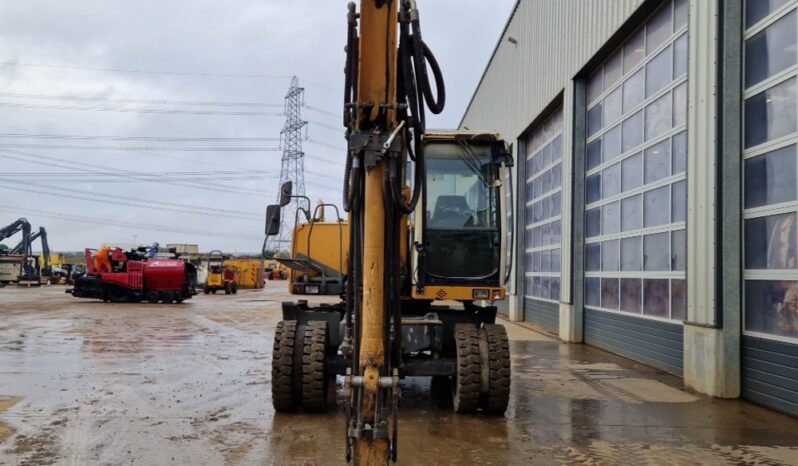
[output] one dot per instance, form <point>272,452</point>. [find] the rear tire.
<point>314,380</point>
<point>467,381</point>
<point>152,297</point>
<point>282,366</point>
<point>235,288</point>
<point>498,371</point>
<point>206,290</point>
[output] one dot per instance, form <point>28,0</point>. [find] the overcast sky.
<point>88,50</point>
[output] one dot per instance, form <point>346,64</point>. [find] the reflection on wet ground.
<point>82,382</point>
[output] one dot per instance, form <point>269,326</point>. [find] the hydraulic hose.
<point>415,90</point>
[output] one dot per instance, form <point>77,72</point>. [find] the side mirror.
<point>272,220</point>
<point>285,193</point>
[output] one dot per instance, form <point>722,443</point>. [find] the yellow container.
<point>250,272</point>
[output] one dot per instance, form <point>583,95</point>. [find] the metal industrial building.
<point>655,146</point>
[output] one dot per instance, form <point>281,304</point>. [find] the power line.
<point>135,176</point>
<point>318,110</point>
<point>136,138</point>
<point>137,203</point>
<point>127,70</point>
<point>323,86</point>
<point>153,154</point>
<point>206,103</point>
<point>69,164</point>
<point>324,144</point>
<point>105,222</point>
<point>137,110</point>
<point>324,125</point>
<point>142,148</point>
<point>153,174</point>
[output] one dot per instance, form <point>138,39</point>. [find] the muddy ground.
<point>82,382</point>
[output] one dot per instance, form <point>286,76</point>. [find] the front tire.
<point>497,370</point>
<point>283,366</point>
<point>467,380</point>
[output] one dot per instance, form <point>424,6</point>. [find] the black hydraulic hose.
<point>348,193</point>
<point>350,70</point>
<point>421,56</point>
<point>414,55</point>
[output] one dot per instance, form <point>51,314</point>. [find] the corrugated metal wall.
<point>547,315</point>
<point>523,78</point>
<point>658,344</point>
<point>770,373</point>
<point>554,40</point>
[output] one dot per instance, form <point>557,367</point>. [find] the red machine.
<point>133,277</point>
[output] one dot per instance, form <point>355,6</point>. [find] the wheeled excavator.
<point>413,247</point>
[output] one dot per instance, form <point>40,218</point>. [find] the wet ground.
<point>82,382</point>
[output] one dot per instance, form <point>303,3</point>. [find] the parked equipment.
<point>133,277</point>
<point>220,277</point>
<point>455,247</point>
<point>41,270</point>
<point>14,267</point>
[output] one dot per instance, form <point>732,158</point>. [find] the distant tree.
<point>3,247</point>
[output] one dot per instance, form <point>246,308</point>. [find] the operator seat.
<point>450,212</point>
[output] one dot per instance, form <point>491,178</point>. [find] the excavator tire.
<point>283,366</point>
<point>467,381</point>
<point>314,380</point>
<point>494,401</point>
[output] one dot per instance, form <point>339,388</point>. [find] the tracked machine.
<point>123,277</point>
<point>412,250</point>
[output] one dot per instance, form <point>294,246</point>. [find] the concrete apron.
<point>82,382</point>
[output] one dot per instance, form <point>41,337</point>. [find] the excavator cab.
<point>459,239</point>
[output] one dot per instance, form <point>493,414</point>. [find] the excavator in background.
<point>319,251</point>
<point>410,249</point>
<point>42,270</point>
<point>14,267</point>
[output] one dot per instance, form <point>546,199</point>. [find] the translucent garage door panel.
<point>636,169</point>
<point>544,209</point>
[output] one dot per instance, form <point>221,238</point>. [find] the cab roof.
<point>453,135</point>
